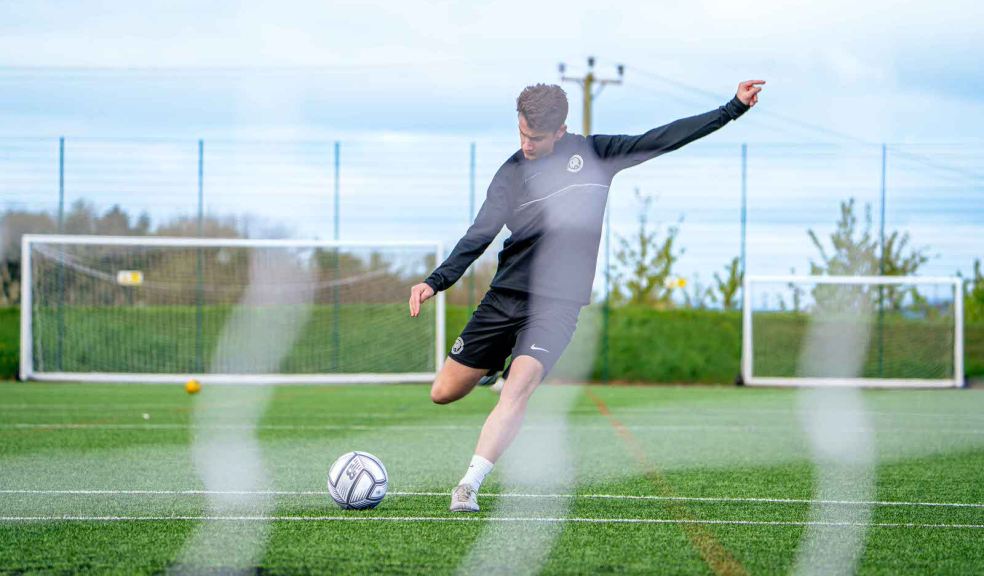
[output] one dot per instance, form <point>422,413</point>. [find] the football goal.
<point>871,331</point>
<point>154,309</point>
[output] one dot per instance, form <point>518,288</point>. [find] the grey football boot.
<point>493,380</point>
<point>489,379</point>
<point>464,498</point>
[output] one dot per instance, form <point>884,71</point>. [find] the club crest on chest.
<point>575,163</point>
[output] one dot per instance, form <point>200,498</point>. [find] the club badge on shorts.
<point>575,163</point>
<point>459,345</point>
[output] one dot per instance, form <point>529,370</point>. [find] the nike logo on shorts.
<point>534,347</point>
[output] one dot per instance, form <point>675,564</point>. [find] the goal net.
<point>852,331</point>
<point>151,309</point>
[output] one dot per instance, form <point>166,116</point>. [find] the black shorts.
<point>508,322</point>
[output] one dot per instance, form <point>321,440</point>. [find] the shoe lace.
<point>463,492</point>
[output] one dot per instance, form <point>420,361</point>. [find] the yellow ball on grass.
<point>192,386</point>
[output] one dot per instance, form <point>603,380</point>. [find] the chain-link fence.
<point>756,203</point>
<point>720,196</point>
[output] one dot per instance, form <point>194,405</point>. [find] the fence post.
<point>471,218</point>
<point>199,265</point>
<point>337,189</point>
<point>881,266</point>
<point>744,203</point>
<point>740,380</point>
<point>61,185</point>
<point>606,307</point>
<point>59,348</point>
<point>336,337</point>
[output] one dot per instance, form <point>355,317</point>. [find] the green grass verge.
<point>645,345</point>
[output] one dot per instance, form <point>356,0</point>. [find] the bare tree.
<point>855,251</point>
<point>645,262</point>
<point>726,288</point>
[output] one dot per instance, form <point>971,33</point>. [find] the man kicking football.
<point>551,194</point>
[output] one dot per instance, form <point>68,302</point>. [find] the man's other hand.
<point>748,92</point>
<point>419,294</point>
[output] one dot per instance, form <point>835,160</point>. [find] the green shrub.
<point>9,342</point>
<point>645,345</point>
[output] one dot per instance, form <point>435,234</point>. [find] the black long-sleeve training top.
<point>554,207</point>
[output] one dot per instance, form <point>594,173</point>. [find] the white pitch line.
<point>471,426</point>
<point>717,499</point>
<point>791,412</point>
<point>76,407</point>
<point>517,519</point>
<point>576,412</point>
<point>177,492</point>
<point>147,426</point>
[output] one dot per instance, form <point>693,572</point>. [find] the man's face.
<point>536,144</point>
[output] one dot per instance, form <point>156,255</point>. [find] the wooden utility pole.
<point>587,84</point>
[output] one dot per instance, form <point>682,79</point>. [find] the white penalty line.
<point>575,412</point>
<point>711,499</point>
<point>579,412</point>
<point>514,519</point>
<point>389,427</point>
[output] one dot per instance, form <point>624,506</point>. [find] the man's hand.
<point>419,294</point>
<point>748,92</point>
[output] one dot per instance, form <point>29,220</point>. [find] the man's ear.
<point>561,131</point>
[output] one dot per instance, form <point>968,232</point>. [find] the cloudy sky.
<point>878,70</point>
<point>406,85</point>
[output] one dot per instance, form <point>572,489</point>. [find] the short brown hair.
<point>544,106</point>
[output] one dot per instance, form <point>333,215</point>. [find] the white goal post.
<point>894,331</point>
<point>240,311</point>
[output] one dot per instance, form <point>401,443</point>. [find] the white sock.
<point>477,471</point>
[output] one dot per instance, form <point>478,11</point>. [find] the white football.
<point>357,480</point>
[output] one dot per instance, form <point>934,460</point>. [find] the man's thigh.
<point>547,332</point>
<point>454,381</point>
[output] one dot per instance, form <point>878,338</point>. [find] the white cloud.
<point>880,69</point>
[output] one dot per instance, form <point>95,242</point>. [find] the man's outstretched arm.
<point>631,150</point>
<point>491,218</point>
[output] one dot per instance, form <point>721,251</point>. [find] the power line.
<point>921,159</point>
<point>717,97</point>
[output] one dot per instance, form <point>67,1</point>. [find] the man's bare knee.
<point>440,395</point>
<point>454,382</point>
<point>446,389</point>
<point>518,396</point>
<point>524,377</point>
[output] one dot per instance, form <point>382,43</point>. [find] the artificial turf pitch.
<point>696,480</point>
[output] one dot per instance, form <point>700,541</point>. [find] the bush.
<point>9,342</point>
<point>646,345</point>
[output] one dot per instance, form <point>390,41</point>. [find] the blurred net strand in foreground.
<point>916,329</point>
<point>151,309</point>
